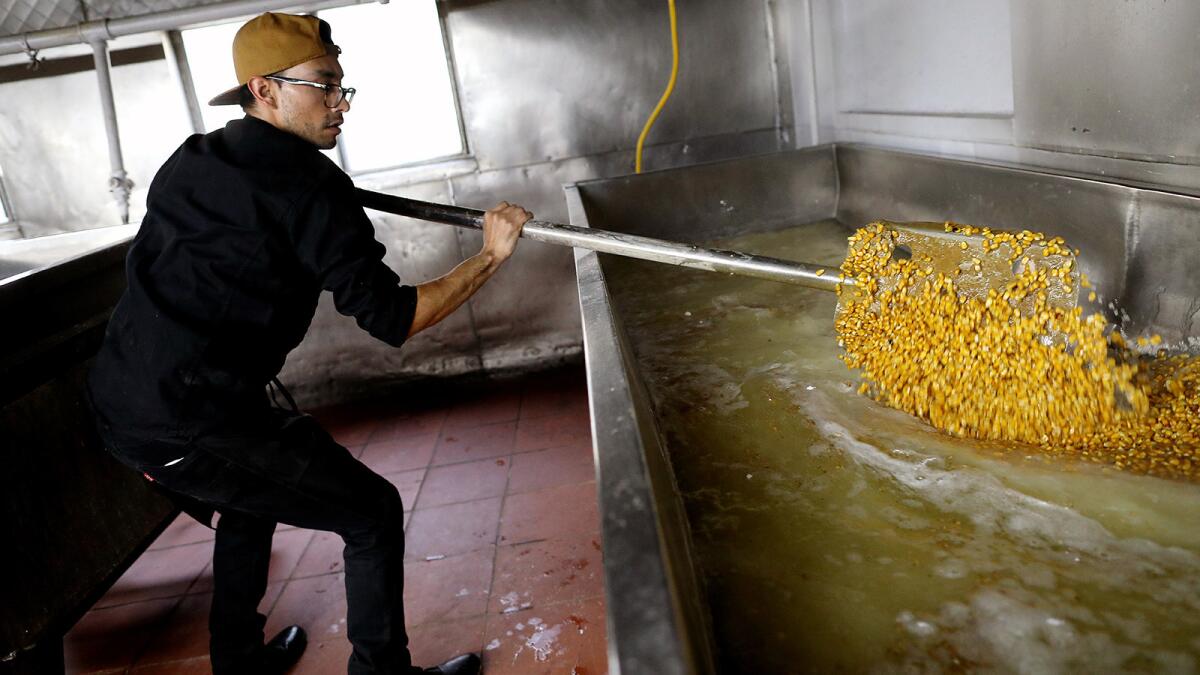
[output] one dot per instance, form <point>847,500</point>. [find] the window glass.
<point>210,58</point>
<point>404,110</point>
<point>395,57</point>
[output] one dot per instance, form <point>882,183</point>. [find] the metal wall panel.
<point>1162,292</point>
<point>878,184</point>
<point>548,80</point>
<point>718,200</point>
<point>930,56</point>
<point>1111,78</point>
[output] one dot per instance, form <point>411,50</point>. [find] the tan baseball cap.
<point>273,42</point>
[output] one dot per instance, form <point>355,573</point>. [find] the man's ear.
<point>262,90</point>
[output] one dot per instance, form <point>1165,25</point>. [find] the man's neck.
<point>273,121</point>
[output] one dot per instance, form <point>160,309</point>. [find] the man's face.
<point>302,108</point>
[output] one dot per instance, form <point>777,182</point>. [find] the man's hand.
<point>501,227</point>
<point>436,299</point>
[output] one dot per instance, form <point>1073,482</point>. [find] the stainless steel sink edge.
<point>655,618</point>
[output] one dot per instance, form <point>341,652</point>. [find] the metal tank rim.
<point>657,621</point>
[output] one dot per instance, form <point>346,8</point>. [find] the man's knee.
<point>385,522</point>
<point>392,511</point>
<point>245,524</point>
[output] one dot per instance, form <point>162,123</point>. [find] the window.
<point>5,211</point>
<point>395,56</point>
<point>209,54</point>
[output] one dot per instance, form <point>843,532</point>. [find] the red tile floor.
<point>503,545</point>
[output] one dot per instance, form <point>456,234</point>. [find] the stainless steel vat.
<point>1135,242</point>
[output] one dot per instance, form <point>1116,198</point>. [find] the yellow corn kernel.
<point>981,368</point>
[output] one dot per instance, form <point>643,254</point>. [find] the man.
<point>244,228</point>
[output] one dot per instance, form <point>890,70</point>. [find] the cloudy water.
<point>836,535</point>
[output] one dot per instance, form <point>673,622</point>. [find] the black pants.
<point>289,470</point>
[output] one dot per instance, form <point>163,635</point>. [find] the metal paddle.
<point>979,270</point>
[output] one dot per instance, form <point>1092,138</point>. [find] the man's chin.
<point>322,141</point>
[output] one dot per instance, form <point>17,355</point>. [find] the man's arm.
<point>436,299</point>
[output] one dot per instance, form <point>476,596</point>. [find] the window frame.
<point>407,172</point>
<point>8,219</point>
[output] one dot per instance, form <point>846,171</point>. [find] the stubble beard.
<point>313,132</point>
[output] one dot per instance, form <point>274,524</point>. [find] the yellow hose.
<point>666,94</point>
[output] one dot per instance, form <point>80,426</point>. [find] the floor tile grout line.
<point>524,384</point>
<point>428,463</point>
<point>291,575</point>
<point>437,446</point>
<point>135,602</point>
<point>564,411</point>
<point>181,544</point>
<point>274,603</point>
<point>496,551</point>
<point>503,494</point>
<point>560,446</point>
<point>375,430</point>
<point>521,403</point>
<point>186,591</point>
<point>487,614</point>
<point>196,579</point>
<point>468,427</point>
<point>444,427</point>
<point>547,605</point>
<point>159,628</point>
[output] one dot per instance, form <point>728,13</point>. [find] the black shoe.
<point>463,664</point>
<point>283,650</point>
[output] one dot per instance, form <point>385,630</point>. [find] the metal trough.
<point>1133,240</point>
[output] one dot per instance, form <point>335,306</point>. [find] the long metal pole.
<point>176,18</point>
<point>118,183</point>
<point>181,69</point>
<point>619,243</point>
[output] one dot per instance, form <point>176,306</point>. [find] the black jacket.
<point>244,228</point>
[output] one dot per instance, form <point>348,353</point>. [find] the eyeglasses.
<point>334,94</point>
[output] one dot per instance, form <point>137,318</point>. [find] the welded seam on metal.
<point>814,110</point>
<point>772,56</point>
<point>462,252</point>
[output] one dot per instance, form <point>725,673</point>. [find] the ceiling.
<point>27,16</point>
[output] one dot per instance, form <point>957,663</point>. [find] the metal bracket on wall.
<point>34,61</point>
